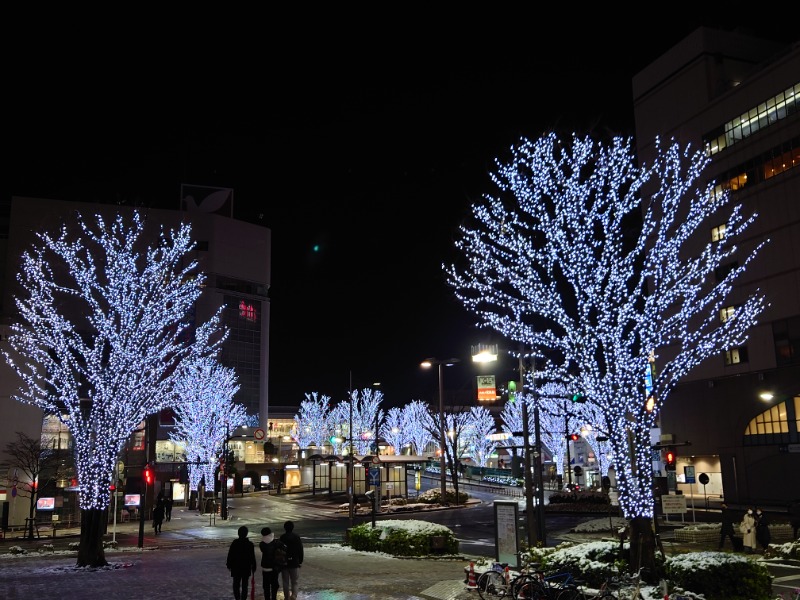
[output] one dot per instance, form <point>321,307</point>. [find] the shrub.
<point>402,538</point>
<point>434,496</point>
<point>720,576</point>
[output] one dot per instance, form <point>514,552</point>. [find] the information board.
<point>673,504</point>
<point>506,517</point>
<point>688,474</point>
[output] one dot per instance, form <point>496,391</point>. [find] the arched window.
<point>778,424</point>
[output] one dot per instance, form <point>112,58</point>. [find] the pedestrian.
<point>168,508</point>
<point>727,529</point>
<point>763,535</point>
<point>748,529</point>
<point>291,573</point>
<point>158,513</point>
<point>794,517</point>
<point>270,563</point>
<point>241,562</point>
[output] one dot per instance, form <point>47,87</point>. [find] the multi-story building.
<point>738,98</point>
<point>235,257</point>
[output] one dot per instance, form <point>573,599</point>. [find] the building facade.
<point>737,97</point>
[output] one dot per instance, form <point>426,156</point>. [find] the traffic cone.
<point>472,583</point>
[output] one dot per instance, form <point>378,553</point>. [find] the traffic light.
<point>578,398</point>
<point>512,391</point>
<point>669,458</point>
<point>148,474</point>
<point>573,437</point>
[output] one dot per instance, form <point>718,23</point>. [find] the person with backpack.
<point>291,572</point>
<point>273,559</point>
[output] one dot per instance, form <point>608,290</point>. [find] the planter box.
<point>780,532</point>
<point>697,535</point>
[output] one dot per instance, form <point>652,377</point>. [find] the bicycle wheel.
<point>528,587</point>
<point>491,585</point>
<point>571,592</point>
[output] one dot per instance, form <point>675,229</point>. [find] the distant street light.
<point>427,364</point>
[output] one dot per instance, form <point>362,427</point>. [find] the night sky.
<point>360,147</point>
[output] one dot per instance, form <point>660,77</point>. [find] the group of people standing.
<point>280,556</point>
<point>753,527</point>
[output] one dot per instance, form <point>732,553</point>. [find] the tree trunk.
<point>643,544</point>
<point>90,550</point>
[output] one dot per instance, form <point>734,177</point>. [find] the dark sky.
<point>368,142</point>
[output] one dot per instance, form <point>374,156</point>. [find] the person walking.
<point>168,508</point>
<point>241,562</point>
<point>763,535</point>
<point>727,530</point>
<point>271,563</point>
<point>291,572</point>
<point>748,529</point>
<point>158,513</point>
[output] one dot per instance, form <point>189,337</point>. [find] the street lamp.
<point>427,364</point>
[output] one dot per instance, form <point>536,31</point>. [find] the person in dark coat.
<point>168,508</point>
<point>158,513</point>
<point>727,530</point>
<point>291,572</point>
<point>763,536</point>
<point>241,562</point>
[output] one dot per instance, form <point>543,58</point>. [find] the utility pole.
<point>350,472</point>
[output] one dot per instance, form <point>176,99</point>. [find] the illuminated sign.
<point>487,389</point>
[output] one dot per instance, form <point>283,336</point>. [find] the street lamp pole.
<point>427,363</point>
<point>442,438</point>
<point>350,473</point>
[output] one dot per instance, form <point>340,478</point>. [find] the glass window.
<point>735,356</point>
<point>726,313</point>
<point>718,232</point>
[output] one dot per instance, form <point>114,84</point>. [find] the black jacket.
<point>241,557</point>
<point>295,546</point>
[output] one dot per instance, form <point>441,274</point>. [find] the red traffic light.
<point>574,437</point>
<point>669,458</point>
<point>148,474</point>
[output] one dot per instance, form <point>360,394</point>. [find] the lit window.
<point>718,233</point>
<point>726,313</point>
<point>247,311</point>
<point>735,356</point>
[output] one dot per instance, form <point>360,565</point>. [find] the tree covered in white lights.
<point>597,262</point>
<point>103,330</point>
<point>312,421</point>
<point>417,416</point>
<point>481,425</point>
<point>206,416</point>
<point>395,430</point>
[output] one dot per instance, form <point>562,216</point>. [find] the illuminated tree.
<point>366,418</point>
<point>481,424</point>
<point>417,416</point>
<point>597,263</point>
<point>104,327</point>
<point>312,421</point>
<point>395,430</point>
<point>205,416</point>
